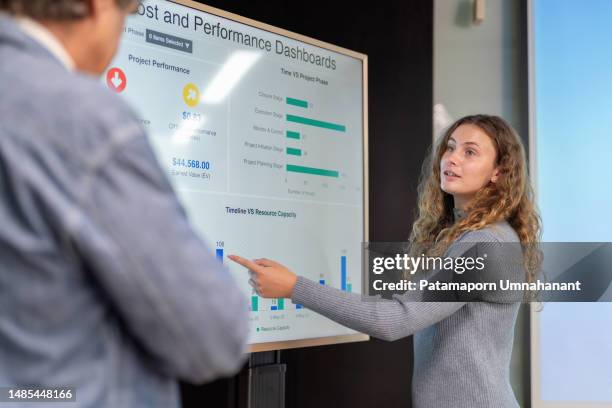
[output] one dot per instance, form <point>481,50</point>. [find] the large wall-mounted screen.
<point>263,135</point>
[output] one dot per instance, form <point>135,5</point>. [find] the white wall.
<point>482,68</point>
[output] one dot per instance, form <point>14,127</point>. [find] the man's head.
<point>89,29</point>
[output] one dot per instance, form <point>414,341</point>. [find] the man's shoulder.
<point>90,101</point>
<point>79,97</point>
<point>42,98</point>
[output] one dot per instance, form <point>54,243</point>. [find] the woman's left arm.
<point>381,318</point>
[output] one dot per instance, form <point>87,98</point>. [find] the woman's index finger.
<point>245,262</point>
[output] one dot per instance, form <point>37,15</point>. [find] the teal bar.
<point>297,102</point>
<point>294,152</point>
<point>281,304</point>
<point>316,123</point>
<point>293,135</point>
<point>311,170</point>
<point>349,287</point>
<point>254,303</point>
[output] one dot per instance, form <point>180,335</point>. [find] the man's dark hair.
<point>52,9</point>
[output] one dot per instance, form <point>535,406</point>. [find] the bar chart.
<point>302,143</point>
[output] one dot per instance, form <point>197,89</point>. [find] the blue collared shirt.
<point>104,285</point>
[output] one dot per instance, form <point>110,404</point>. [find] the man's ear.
<point>495,175</point>
<point>98,6</point>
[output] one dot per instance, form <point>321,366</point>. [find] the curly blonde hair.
<point>510,198</point>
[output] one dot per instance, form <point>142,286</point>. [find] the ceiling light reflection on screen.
<point>229,75</point>
<point>184,132</point>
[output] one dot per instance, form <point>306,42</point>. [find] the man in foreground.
<point>104,285</point>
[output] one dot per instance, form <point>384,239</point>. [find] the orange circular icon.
<point>116,79</point>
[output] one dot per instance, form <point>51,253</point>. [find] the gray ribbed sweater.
<point>462,350</point>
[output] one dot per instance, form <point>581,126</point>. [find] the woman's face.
<point>468,163</point>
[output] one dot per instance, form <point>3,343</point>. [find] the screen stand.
<point>266,380</point>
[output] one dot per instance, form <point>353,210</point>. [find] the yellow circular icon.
<point>191,95</point>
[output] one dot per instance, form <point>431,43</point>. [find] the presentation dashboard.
<point>262,138</point>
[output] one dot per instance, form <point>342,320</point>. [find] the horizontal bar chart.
<point>293,135</point>
<point>316,123</point>
<point>297,102</point>
<point>312,170</point>
<point>294,152</point>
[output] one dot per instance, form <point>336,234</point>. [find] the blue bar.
<point>343,272</point>
<point>298,306</point>
<point>274,308</point>
<point>322,281</point>
<point>220,255</point>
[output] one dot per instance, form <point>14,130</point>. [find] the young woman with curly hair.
<point>474,189</point>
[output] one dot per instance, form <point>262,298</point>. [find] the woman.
<point>474,189</point>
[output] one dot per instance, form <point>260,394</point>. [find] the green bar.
<point>312,170</point>
<point>254,302</point>
<point>349,287</point>
<point>294,152</point>
<point>316,123</point>
<point>293,135</point>
<point>297,102</point>
<point>281,304</point>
